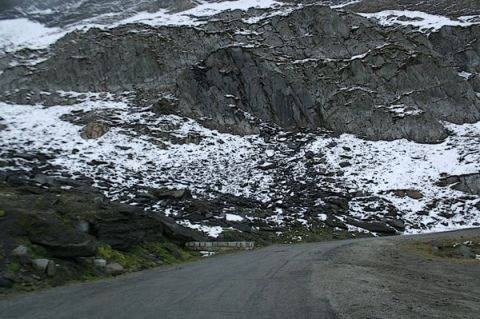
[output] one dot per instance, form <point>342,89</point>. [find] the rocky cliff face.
<point>315,68</point>
<point>290,115</point>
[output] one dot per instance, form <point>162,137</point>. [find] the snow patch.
<point>21,33</point>
<point>418,19</point>
<point>233,218</point>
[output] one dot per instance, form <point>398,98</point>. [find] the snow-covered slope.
<point>256,182</point>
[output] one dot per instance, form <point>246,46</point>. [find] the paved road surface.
<point>324,280</point>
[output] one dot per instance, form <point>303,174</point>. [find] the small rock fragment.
<point>100,263</point>
<point>20,251</point>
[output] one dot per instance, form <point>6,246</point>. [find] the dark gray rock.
<point>469,183</point>
<point>465,251</point>
<point>349,75</point>
<point>397,224</point>
<point>6,283</point>
<point>373,226</point>
<point>175,194</point>
<point>60,239</point>
<point>114,269</point>
<point>21,250</point>
<point>51,269</point>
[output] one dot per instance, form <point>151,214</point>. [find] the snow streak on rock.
<point>420,20</point>
<point>21,33</point>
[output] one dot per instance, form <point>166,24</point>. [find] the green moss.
<point>168,252</point>
<point>131,261</point>
<point>13,267</point>
<point>3,213</point>
<point>145,256</point>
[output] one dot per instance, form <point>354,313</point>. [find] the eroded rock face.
<point>315,68</point>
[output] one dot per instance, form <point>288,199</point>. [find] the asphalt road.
<point>341,279</point>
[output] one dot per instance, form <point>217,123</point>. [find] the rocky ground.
<point>65,230</point>
<point>273,121</point>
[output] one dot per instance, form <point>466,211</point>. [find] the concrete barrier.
<point>220,245</point>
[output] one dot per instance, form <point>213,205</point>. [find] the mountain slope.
<point>276,115</point>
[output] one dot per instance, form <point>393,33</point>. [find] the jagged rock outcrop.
<point>315,68</point>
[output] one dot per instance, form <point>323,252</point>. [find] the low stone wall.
<point>220,245</point>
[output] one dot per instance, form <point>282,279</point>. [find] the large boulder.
<point>128,226</point>
<point>59,238</point>
<point>179,233</point>
<point>114,269</point>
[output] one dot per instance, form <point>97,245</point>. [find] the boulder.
<point>465,252</point>
<point>114,269</point>
<point>413,194</point>
<point>40,264</point>
<point>94,130</point>
<point>397,224</point>
<point>99,263</point>
<point>60,239</point>
<point>337,203</point>
<point>6,282</point>
<point>20,251</point>
<point>51,268</point>
<point>179,233</point>
<point>344,164</point>
<point>123,230</point>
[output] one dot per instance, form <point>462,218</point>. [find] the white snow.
<point>222,162</point>
<point>418,19</point>
<point>342,5</point>
<point>206,253</point>
<point>233,218</point>
<point>322,217</point>
<point>380,167</point>
<point>21,33</point>
<point>231,164</point>
<point>212,231</point>
<point>401,110</point>
<point>465,75</point>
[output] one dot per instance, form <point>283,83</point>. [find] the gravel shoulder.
<point>391,278</point>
